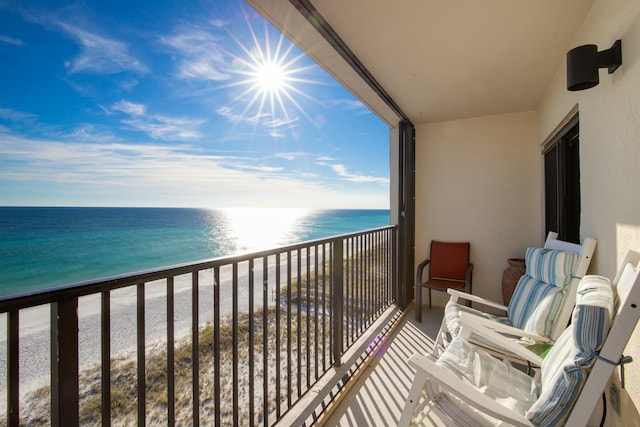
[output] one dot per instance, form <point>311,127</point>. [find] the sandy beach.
<point>34,322</point>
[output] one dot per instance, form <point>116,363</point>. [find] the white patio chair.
<point>468,386</point>
<point>541,305</point>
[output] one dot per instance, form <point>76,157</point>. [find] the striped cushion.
<point>539,294</point>
<point>534,305</point>
<point>566,367</point>
<point>593,314</point>
<point>550,265</point>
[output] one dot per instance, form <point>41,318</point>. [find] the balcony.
<point>204,343</point>
<point>378,386</point>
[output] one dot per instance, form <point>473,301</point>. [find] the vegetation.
<point>35,407</point>
<point>366,266</point>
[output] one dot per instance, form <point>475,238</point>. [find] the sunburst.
<point>271,73</point>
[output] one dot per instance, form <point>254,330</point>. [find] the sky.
<point>175,103</point>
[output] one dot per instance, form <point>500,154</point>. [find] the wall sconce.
<point>583,63</point>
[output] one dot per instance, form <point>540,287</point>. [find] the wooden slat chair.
<point>468,385</point>
<point>543,300</point>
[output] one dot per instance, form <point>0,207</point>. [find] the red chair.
<point>448,266</point>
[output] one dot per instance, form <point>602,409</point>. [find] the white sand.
<point>34,322</point>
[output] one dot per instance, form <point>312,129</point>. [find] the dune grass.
<point>35,408</point>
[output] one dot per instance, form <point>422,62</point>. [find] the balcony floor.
<point>378,394</point>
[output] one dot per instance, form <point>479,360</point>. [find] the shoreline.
<point>34,357</point>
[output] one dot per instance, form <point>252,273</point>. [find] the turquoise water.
<point>46,246</point>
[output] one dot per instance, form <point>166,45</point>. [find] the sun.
<point>270,77</point>
<point>270,73</point>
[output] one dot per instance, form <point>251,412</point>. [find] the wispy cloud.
<point>256,168</point>
<point>154,173</point>
<point>341,171</point>
<point>280,123</point>
<point>100,55</point>
<point>91,134</point>
<point>231,115</point>
<point>61,160</point>
<point>132,108</point>
<point>289,156</point>
<point>277,127</point>
<point>167,128</point>
<point>274,127</point>
<point>200,55</point>
<point>158,126</point>
<point>11,40</point>
<point>16,116</point>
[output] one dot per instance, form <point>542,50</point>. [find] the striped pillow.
<point>538,296</point>
<point>565,369</point>
<point>594,293</point>
<point>550,265</point>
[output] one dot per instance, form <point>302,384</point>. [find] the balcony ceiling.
<point>441,59</point>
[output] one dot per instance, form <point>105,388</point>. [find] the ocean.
<point>47,246</point>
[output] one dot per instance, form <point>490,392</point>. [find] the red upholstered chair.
<point>448,266</point>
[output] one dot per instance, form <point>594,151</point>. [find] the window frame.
<point>562,194</point>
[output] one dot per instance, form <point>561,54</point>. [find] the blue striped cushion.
<point>550,265</point>
<point>567,365</point>
<point>539,294</point>
<point>534,305</point>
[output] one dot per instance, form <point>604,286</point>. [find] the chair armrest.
<point>420,271</point>
<point>449,382</point>
<point>469,325</point>
<point>456,294</point>
<point>502,328</point>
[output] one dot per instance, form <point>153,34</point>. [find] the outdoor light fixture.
<point>583,63</point>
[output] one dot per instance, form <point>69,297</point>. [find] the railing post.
<point>13,368</point>
<point>64,363</point>
<point>337,298</point>
<point>105,332</point>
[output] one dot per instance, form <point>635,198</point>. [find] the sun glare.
<point>264,228</point>
<point>270,74</point>
<point>270,77</point>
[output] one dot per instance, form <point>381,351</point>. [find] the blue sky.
<point>170,103</point>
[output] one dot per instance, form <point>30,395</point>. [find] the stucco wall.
<point>479,180</point>
<point>609,154</point>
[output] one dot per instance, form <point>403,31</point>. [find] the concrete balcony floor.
<point>378,394</point>
<point>380,377</point>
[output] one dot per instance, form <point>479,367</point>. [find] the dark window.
<point>562,184</point>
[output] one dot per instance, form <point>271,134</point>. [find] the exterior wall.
<point>609,156</point>
<point>479,180</point>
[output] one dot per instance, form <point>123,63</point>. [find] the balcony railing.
<point>262,328</point>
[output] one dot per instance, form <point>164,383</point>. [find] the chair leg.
<point>418,302</point>
<point>429,298</point>
<point>468,290</point>
<point>413,398</point>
